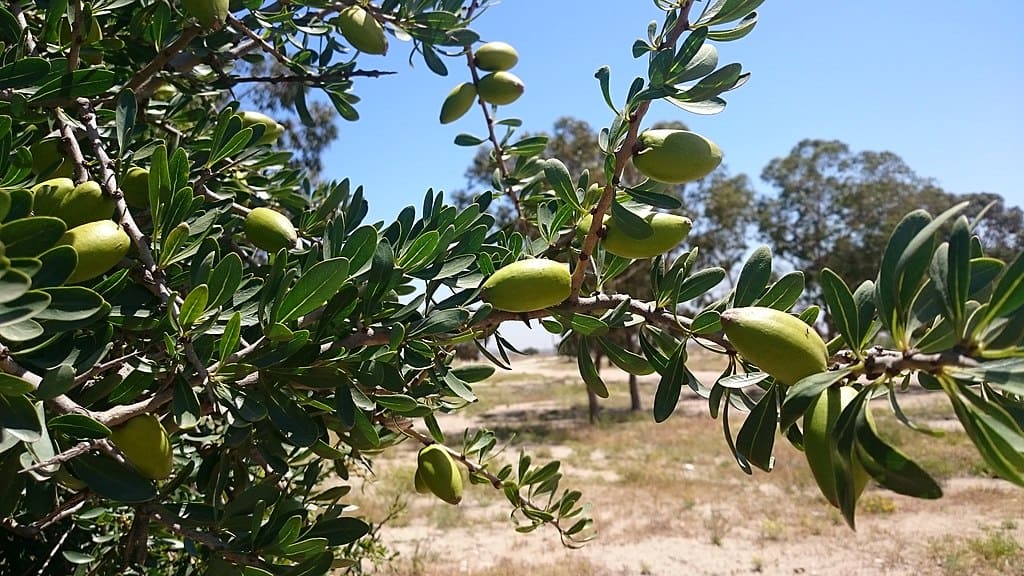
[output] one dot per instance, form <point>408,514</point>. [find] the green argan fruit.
<point>779,343</point>
<point>272,131</point>
<point>439,473</point>
<point>818,422</point>
<point>145,444</point>
<point>419,484</point>
<point>165,92</point>
<point>94,35</point>
<point>668,230</point>
<point>496,56</point>
<point>500,88</point>
<point>100,246</point>
<point>48,160</point>
<point>675,156</point>
<point>209,13</point>
<point>362,30</point>
<point>83,203</point>
<point>458,102</point>
<point>47,194</point>
<point>269,230</point>
<point>528,285</point>
<point>135,187</point>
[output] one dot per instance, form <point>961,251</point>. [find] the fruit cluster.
<point>498,87</point>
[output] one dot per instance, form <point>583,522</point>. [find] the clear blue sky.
<point>936,81</point>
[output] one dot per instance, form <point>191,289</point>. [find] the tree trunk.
<point>634,394</point>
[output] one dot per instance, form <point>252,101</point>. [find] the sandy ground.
<point>714,521</point>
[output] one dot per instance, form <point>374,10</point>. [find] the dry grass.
<point>676,486</point>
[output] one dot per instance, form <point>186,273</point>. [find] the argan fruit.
<point>272,129</point>
<point>496,56</point>
<point>100,246</point>
<point>83,203</point>
<point>94,35</point>
<point>668,230</point>
<point>135,187</point>
<point>818,422</point>
<point>48,160</point>
<point>779,343</point>
<point>209,13</point>
<point>269,230</point>
<point>528,285</point>
<point>146,445</point>
<point>458,102</point>
<point>419,484</point>
<point>439,473</point>
<point>675,156</point>
<point>362,30</point>
<point>500,88</point>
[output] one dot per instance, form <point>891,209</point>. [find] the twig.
<point>53,552</point>
<point>76,35</point>
<point>162,58</point>
<point>30,41</point>
<point>69,507</point>
<point>80,448</point>
<point>241,28</point>
<point>314,79</point>
<point>177,525</point>
<point>622,156</point>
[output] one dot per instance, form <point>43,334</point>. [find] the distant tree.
<point>835,208</point>
<point>1001,227</point>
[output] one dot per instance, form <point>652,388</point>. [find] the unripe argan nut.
<point>779,343</point>
<point>496,56</point>
<point>419,484</point>
<point>94,35</point>
<point>269,230</point>
<point>209,13</point>
<point>458,102</point>
<point>500,88</point>
<point>818,422</point>
<point>528,285</point>
<point>81,204</point>
<point>439,473</point>
<point>135,187</point>
<point>667,231</point>
<point>48,160</point>
<point>675,156</point>
<point>100,246</point>
<point>145,444</point>
<point>272,129</point>
<point>362,30</point>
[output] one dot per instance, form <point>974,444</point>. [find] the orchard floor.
<point>668,499</point>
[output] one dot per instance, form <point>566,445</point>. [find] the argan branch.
<point>622,156</point>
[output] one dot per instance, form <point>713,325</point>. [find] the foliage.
<point>272,371</point>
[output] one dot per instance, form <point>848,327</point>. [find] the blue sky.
<point>938,82</point>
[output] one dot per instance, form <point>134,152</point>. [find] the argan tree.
<point>193,335</point>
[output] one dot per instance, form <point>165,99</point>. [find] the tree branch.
<point>143,76</point>
<point>622,156</point>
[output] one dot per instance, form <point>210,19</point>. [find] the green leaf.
<point>440,322</point>
<point>291,420</point>
<point>78,426</point>
<point>29,305</point>
<point>13,284</point>
<point>224,280</point>
<point>745,26</point>
<point>232,333</point>
<point>784,293</point>
<point>77,84</point>
<point>626,360</point>
<point>420,252</point>
<point>671,384</point>
<point>468,140</point>
<point>124,116</point>
<point>1008,295</point>
<point>722,80</point>
<point>71,304</point>
<point>754,276</point>
<point>996,435</point>
<point>56,381</point>
<point>700,283</point>
<point>631,223</point>
<point>473,372</point>
<point>23,72</point>
<point>339,531</point>
<point>587,325</point>
<point>801,394</point>
<point>842,307</point>
<point>588,371</point>
<point>11,385</point>
<point>756,438</point>
<point>359,248</point>
<point>112,480</point>
<point>313,289</point>
<point>558,178</point>
<point>707,322</point>
<point>724,11</point>
<point>890,467</point>
<point>29,237</point>
<point>19,419</point>
<point>193,306</point>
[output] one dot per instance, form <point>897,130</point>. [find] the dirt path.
<point>668,500</point>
